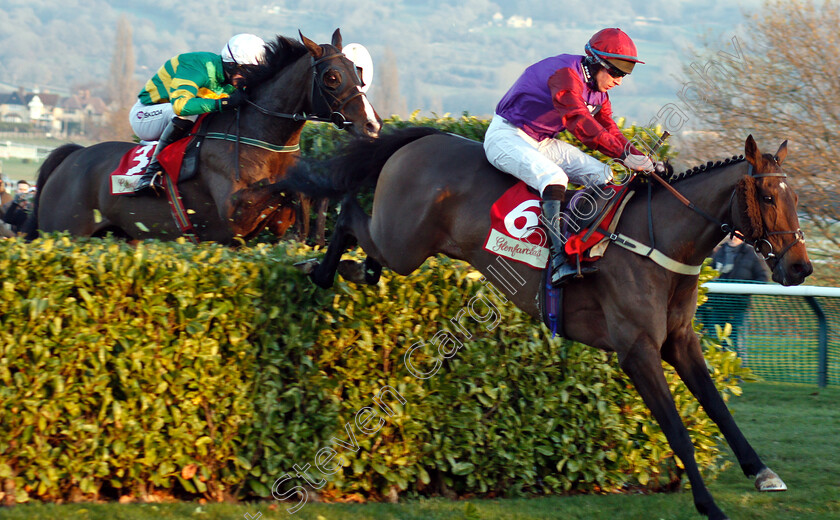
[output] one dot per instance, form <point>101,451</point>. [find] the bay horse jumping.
<point>230,199</point>
<point>433,195</point>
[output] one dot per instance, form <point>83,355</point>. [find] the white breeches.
<point>540,163</point>
<point>148,121</point>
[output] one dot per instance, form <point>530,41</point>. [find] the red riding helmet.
<point>615,47</point>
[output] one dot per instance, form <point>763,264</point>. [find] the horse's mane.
<point>279,54</point>
<point>691,172</point>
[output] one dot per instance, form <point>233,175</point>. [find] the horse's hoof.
<point>767,480</point>
<point>352,271</point>
<point>307,266</point>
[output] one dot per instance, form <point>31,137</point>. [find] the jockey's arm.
<point>189,94</point>
<point>598,132</point>
<point>185,102</point>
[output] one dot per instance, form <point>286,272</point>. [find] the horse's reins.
<point>618,195</point>
<point>318,87</point>
<point>730,229</point>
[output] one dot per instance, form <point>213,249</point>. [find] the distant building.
<point>13,107</point>
<point>52,113</point>
<point>80,110</point>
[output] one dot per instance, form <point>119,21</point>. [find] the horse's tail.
<point>356,165</point>
<point>56,157</point>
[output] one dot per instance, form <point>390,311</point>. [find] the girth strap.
<point>654,254</point>
<point>254,142</point>
<point>179,213</point>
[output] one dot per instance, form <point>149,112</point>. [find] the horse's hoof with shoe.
<point>768,481</point>
<point>353,271</point>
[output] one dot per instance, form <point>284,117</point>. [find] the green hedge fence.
<point>200,371</point>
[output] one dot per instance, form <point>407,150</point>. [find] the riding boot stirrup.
<point>150,184</point>
<point>561,269</point>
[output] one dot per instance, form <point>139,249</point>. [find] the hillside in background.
<point>450,56</point>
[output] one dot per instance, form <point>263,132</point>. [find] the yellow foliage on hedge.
<point>204,371</point>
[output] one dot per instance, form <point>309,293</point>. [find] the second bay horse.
<point>433,196</point>
<point>230,199</point>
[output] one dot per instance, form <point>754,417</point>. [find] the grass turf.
<point>795,429</point>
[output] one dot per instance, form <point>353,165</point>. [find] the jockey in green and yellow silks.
<point>185,87</point>
<point>192,82</point>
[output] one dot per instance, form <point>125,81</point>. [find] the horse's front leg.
<point>682,351</point>
<point>352,224</point>
<point>644,366</point>
<point>323,273</point>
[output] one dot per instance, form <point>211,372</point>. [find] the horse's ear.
<point>314,49</point>
<point>782,153</point>
<point>336,39</point>
<point>751,151</point>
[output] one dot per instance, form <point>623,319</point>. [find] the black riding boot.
<point>552,208</point>
<point>151,182</point>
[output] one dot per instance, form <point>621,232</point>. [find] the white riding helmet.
<point>360,57</point>
<point>244,49</point>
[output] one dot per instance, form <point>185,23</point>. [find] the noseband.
<point>331,104</point>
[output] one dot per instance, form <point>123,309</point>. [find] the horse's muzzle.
<point>372,129</point>
<point>793,273</point>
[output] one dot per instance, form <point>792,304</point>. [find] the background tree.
<point>780,82</point>
<point>386,96</point>
<point>122,87</point>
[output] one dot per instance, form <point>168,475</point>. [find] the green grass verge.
<point>17,169</point>
<point>793,427</point>
<point>27,169</point>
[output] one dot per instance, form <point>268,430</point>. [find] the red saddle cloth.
<point>134,162</point>
<point>515,229</point>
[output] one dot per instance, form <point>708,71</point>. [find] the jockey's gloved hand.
<point>236,98</point>
<point>661,169</point>
<point>639,163</point>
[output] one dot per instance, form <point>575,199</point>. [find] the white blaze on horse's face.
<point>372,121</point>
<point>361,59</point>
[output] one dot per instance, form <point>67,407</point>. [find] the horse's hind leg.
<point>644,366</point>
<point>352,224</point>
<point>683,352</point>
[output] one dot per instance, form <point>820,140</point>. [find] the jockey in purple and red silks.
<point>564,92</point>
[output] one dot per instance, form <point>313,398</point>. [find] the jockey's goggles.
<point>613,71</point>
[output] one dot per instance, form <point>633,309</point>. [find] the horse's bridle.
<point>729,228</point>
<point>770,255</point>
<point>327,103</point>
<point>327,97</point>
